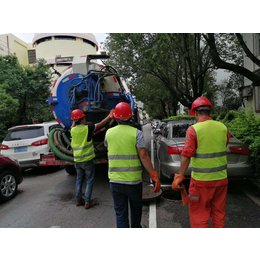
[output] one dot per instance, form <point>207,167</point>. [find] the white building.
<point>250,93</point>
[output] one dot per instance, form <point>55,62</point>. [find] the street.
<point>46,199</point>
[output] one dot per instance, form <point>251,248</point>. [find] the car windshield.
<point>23,133</point>
<point>179,130</point>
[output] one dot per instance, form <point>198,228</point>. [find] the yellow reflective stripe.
<point>84,156</point>
<point>125,169</point>
<point>194,198</point>
<point>82,148</point>
<point>209,170</point>
<point>123,157</point>
<point>210,155</point>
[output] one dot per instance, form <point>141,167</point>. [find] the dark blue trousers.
<point>122,194</point>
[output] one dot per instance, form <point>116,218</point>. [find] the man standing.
<point>83,152</point>
<point>126,148</point>
<point>205,148</point>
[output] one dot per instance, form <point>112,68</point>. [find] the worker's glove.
<point>111,114</point>
<point>157,184</point>
<point>178,179</point>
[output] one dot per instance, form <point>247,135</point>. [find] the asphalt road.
<point>46,199</point>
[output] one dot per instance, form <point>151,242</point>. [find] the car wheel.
<point>70,169</point>
<point>160,175</point>
<point>8,185</point>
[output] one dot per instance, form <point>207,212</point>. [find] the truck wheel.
<point>70,169</point>
<point>8,185</point>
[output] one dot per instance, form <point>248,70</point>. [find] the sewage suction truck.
<point>93,88</point>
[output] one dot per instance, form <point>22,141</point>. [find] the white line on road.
<point>152,206</point>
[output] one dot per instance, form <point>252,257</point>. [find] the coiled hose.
<point>58,148</point>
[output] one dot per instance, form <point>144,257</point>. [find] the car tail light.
<point>4,147</point>
<point>41,142</point>
<point>239,149</point>
<point>175,149</point>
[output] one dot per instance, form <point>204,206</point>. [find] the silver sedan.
<point>170,143</point>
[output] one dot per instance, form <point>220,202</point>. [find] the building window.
<point>63,64</point>
<point>67,38</point>
<point>89,42</point>
<point>32,56</point>
<point>46,39</point>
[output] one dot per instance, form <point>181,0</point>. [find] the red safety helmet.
<point>77,114</point>
<point>123,111</point>
<point>200,102</point>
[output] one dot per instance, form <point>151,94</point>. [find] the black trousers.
<point>122,194</point>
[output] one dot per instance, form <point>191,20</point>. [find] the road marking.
<point>152,205</point>
<point>152,215</point>
<point>253,198</point>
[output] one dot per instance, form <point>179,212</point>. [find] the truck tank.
<point>93,88</point>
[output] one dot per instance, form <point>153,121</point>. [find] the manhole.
<point>149,195</point>
<point>171,195</point>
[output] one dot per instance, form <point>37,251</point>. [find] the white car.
<point>26,143</point>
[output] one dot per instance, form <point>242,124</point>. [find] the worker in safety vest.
<point>205,148</point>
<point>83,152</point>
<point>126,148</point>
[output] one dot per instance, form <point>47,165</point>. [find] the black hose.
<point>59,139</point>
<point>66,139</point>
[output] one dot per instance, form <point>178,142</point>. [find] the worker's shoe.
<point>90,204</point>
<point>80,203</point>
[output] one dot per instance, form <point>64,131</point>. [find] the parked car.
<point>26,143</point>
<point>10,177</point>
<point>170,144</point>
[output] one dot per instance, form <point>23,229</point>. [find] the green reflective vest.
<point>82,149</point>
<point>210,161</point>
<point>123,158</point>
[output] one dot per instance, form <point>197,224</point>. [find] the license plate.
<point>20,149</point>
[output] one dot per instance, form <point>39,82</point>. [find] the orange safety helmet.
<point>123,111</point>
<point>77,114</point>
<point>200,102</point>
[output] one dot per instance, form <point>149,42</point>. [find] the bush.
<point>245,126</point>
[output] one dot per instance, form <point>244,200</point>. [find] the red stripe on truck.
<point>72,76</point>
<point>54,83</point>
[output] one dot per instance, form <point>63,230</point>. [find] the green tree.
<point>228,95</point>
<point>181,62</point>
<point>23,92</point>
<point>151,92</point>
